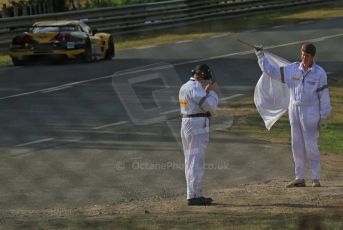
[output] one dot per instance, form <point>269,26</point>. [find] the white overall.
<point>309,102</point>
<point>195,132</point>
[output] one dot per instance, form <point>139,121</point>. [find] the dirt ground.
<point>264,205</point>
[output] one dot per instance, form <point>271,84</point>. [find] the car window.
<point>42,29</point>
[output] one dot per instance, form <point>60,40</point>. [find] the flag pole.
<point>247,43</point>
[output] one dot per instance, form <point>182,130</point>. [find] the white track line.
<point>47,89</point>
<point>278,27</point>
<point>110,125</point>
<point>231,97</point>
<point>266,47</point>
<point>145,47</point>
<point>219,36</point>
<point>237,87</point>
<point>35,142</point>
<point>184,41</point>
<point>170,111</point>
<point>182,63</point>
<point>56,88</point>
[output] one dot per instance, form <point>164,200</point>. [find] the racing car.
<point>73,39</point>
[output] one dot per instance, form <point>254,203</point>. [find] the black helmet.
<point>203,70</point>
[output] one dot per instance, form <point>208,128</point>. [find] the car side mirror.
<point>94,31</point>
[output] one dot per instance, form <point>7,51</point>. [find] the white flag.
<point>271,96</point>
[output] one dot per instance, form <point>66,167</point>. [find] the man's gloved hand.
<point>322,123</point>
<point>211,86</point>
<point>259,50</point>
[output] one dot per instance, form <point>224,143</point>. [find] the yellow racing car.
<point>73,39</point>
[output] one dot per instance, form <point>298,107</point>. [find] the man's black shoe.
<point>209,199</point>
<point>200,201</point>
<point>296,183</point>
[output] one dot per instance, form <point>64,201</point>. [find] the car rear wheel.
<point>110,51</point>
<point>17,62</point>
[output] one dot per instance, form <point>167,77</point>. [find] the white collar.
<point>312,68</point>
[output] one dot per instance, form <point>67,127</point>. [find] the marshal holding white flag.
<point>300,87</point>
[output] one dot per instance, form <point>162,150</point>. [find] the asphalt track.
<point>106,132</point>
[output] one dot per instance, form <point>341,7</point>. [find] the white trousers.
<point>305,132</point>
<point>195,136</point>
